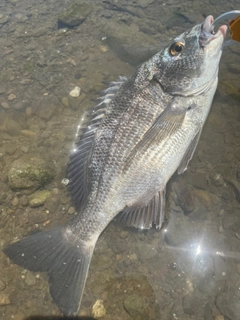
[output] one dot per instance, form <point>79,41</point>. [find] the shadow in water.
<point>58,318</point>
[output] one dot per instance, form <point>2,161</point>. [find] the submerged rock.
<point>134,305</point>
<point>98,309</point>
<point>228,304</point>
<point>38,198</point>
<point>29,173</point>
<point>74,15</point>
<point>134,48</point>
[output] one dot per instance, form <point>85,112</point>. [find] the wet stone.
<point>29,173</point>
<point>75,93</point>
<point>37,217</point>
<point>4,299</point>
<point>2,285</point>
<point>185,197</point>
<point>15,201</point>
<point>74,15</point>
<point>191,305</point>
<point>30,279</point>
<point>208,312</point>
<point>98,309</point>
<point>51,204</point>
<point>130,48</point>
<point>5,105</point>
<point>24,200</point>
<point>38,198</point>
<point>71,210</point>
<point>228,304</point>
<point>134,305</point>
<point>11,97</point>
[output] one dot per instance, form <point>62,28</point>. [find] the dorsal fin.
<point>78,170</point>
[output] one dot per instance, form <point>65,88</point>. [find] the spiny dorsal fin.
<point>78,170</point>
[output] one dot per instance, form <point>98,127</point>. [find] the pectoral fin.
<point>166,124</point>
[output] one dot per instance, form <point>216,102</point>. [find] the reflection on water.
<point>191,269</point>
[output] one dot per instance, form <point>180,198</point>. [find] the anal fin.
<point>146,217</point>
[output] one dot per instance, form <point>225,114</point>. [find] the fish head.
<point>191,61</point>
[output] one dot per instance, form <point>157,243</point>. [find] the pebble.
<point>2,285</point>
<point>28,111</point>
<point>71,210</point>
<point>5,105</point>
<point>75,93</point>
<point>65,102</point>
<point>28,133</point>
<point>24,200</point>
<point>24,149</point>
<point>4,299</point>
<point>103,49</point>
<point>133,257</point>
<point>15,201</point>
<point>98,309</point>
<point>219,317</point>
<point>30,279</point>
<point>11,97</point>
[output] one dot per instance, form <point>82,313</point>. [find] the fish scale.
<point>144,129</point>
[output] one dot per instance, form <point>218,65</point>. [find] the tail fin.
<point>66,262</point>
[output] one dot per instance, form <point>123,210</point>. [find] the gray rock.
<point>228,304</point>
<point>185,198</point>
<point>2,285</point>
<point>29,173</point>
<point>191,305</point>
<point>208,312</point>
<point>30,279</point>
<point>74,15</point>
<point>134,305</point>
<point>130,48</point>
<point>52,203</point>
<point>37,217</point>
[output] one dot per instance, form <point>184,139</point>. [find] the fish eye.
<point>176,48</point>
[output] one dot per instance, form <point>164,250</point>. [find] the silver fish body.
<point>145,129</point>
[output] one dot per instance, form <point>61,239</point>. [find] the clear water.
<point>190,269</point>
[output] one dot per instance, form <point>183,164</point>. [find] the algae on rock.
<point>29,173</point>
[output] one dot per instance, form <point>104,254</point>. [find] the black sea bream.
<point>145,129</point>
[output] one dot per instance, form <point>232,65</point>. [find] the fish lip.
<point>206,34</point>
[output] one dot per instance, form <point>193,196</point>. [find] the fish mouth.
<point>207,33</point>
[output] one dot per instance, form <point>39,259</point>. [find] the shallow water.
<point>188,270</point>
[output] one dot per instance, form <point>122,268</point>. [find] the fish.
<point>145,129</point>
